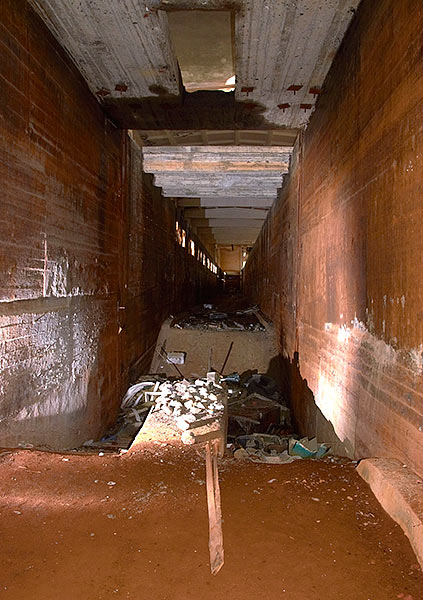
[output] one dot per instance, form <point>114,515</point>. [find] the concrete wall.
<point>89,266</point>
<point>338,265</point>
<point>230,258</point>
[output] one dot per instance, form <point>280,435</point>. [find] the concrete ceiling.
<point>282,48</point>
<point>140,60</point>
<point>224,192</point>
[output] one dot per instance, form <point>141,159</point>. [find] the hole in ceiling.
<point>202,40</point>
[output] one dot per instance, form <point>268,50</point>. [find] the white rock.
<point>182,423</point>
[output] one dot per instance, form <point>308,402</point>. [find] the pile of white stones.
<point>191,403</point>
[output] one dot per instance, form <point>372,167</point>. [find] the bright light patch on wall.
<point>229,84</point>
<point>343,334</point>
<point>202,40</point>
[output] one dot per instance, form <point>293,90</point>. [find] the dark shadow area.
<point>307,418</point>
<point>198,110</point>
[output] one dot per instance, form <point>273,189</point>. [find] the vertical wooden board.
<point>214,509</point>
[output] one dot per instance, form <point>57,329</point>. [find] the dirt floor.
<point>135,526</point>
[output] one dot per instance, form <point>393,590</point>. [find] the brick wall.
<point>338,265</point>
<point>89,266</point>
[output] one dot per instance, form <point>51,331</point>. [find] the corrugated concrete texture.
<point>282,53</point>
<point>88,259</point>
<point>338,263</point>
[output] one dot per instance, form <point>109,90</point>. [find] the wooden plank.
<point>214,509</point>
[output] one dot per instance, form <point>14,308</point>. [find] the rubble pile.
<point>255,405</point>
<point>259,422</point>
<point>189,402</point>
<point>207,318</point>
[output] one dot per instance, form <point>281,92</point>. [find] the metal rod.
<point>163,354</point>
<point>226,359</point>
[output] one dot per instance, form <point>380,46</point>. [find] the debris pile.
<point>207,318</point>
<point>255,405</point>
<point>191,403</point>
<point>258,426</point>
<point>277,449</point>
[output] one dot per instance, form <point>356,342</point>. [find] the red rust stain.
<point>294,88</point>
<point>103,92</point>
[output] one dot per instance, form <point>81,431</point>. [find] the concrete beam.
<point>230,202</point>
<point>226,222</point>
<point>241,241</point>
<point>193,191</point>
<point>216,159</point>
<point>236,202</point>
<point>188,202</point>
<point>224,181</point>
<point>210,137</point>
<point>232,230</point>
<point>226,213</point>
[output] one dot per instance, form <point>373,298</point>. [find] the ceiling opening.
<point>203,43</point>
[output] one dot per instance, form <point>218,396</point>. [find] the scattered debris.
<point>209,318</point>
<point>275,449</point>
<point>258,419</point>
<point>306,448</point>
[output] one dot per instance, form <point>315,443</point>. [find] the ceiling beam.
<point>226,223</point>
<point>210,192</point>
<point>192,160</point>
<point>226,213</point>
<point>264,203</point>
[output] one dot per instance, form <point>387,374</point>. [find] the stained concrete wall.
<point>89,266</point>
<point>338,265</point>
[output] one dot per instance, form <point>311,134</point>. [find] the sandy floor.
<point>135,526</point>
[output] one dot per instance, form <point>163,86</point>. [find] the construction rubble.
<point>208,318</point>
<point>248,408</point>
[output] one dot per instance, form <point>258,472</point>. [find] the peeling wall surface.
<point>81,298</point>
<point>338,264</point>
